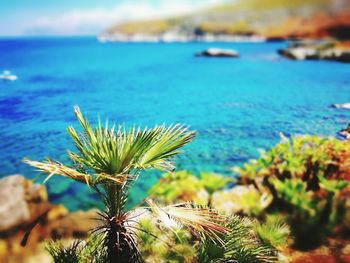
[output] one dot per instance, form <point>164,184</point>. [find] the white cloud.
<point>91,21</point>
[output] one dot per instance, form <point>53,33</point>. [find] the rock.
<point>344,56</point>
<point>345,133</point>
<point>299,53</point>
<point>217,52</point>
<point>21,204</point>
<point>21,201</point>
<point>76,224</point>
<point>316,51</point>
<point>345,106</point>
<point>3,248</point>
<point>57,212</point>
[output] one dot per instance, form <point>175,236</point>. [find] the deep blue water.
<point>236,105</point>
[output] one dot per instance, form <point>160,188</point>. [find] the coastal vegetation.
<point>296,194</point>
<point>298,191</point>
<point>109,161</point>
<point>291,203</point>
<point>308,180</point>
<point>293,198</point>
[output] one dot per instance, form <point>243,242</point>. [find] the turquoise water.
<point>236,105</point>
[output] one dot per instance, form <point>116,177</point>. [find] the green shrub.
<point>242,245</point>
<point>164,245</point>
<point>308,178</point>
<point>241,199</point>
<point>185,186</point>
<point>179,186</point>
<point>274,232</point>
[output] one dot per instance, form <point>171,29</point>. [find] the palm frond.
<point>274,232</point>
<point>241,245</point>
<point>65,254</point>
<point>117,152</point>
<point>200,221</point>
<point>51,168</point>
<point>165,145</point>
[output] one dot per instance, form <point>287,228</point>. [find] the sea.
<point>237,105</point>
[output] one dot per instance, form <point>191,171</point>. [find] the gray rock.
<point>312,52</point>
<point>345,106</point>
<point>345,133</point>
<point>217,52</point>
<point>299,53</point>
<point>21,202</point>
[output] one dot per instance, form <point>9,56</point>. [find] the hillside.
<point>267,18</point>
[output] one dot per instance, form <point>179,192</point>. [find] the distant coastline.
<point>173,37</point>
<point>242,21</point>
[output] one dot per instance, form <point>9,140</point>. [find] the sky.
<point>84,17</point>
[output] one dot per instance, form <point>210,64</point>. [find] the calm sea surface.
<point>236,105</point>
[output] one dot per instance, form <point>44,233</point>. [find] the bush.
<point>247,242</point>
<point>308,178</point>
<point>185,186</point>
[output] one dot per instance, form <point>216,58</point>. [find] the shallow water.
<point>236,105</point>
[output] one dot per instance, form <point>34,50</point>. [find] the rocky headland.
<point>242,20</point>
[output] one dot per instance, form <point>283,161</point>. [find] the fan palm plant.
<point>242,245</point>
<point>109,160</point>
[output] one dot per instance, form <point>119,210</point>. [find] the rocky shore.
<point>317,51</point>
<point>27,220</point>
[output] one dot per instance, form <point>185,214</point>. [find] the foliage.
<point>175,245</point>
<point>241,199</point>
<point>213,182</point>
<point>308,178</point>
<point>306,157</point>
<point>77,251</point>
<point>185,186</point>
<point>65,254</point>
<point>179,186</point>
<point>241,245</point>
<point>109,160</point>
<point>274,232</point>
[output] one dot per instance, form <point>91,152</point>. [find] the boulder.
<point>21,201</point>
<point>345,133</point>
<point>21,204</point>
<point>299,53</point>
<point>217,52</point>
<point>73,225</point>
<point>345,106</point>
<point>316,51</point>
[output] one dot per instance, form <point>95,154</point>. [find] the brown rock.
<point>57,212</point>
<point>21,202</point>
<point>76,224</point>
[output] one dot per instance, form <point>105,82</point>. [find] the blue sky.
<point>84,17</point>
